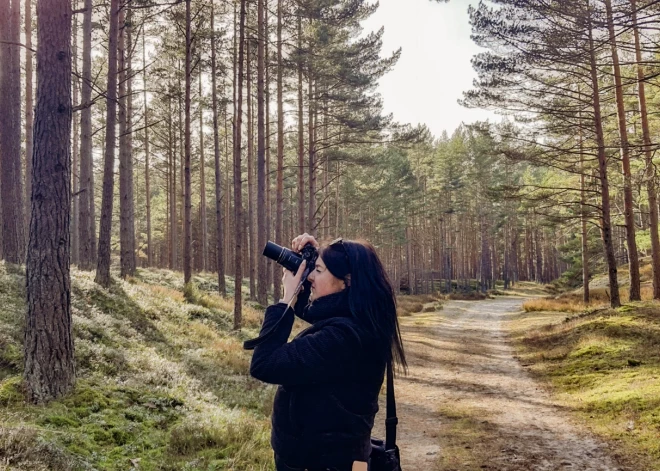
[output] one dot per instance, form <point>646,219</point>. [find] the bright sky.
<point>434,68</point>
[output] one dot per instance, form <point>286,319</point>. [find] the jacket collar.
<point>326,307</point>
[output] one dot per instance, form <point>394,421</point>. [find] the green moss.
<point>11,391</point>
<point>60,421</point>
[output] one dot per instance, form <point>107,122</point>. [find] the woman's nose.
<point>310,277</point>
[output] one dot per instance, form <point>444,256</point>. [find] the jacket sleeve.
<point>322,357</point>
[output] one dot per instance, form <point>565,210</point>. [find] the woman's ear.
<point>347,280</point>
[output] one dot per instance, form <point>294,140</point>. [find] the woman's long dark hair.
<point>371,296</point>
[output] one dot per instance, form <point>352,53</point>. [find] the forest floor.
<point>468,403</point>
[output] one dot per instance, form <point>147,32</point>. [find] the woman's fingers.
<point>302,240</point>
<point>300,271</point>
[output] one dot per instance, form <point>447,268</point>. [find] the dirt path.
<point>463,376</point>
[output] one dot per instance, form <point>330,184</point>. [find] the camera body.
<point>290,259</point>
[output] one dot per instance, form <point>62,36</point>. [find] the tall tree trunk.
<point>11,191</point>
<point>635,293</point>
<point>187,212</point>
<point>147,156</point>
<point>238,220</point>
<point>251,222</point>
<point>220,239</point>
<point>269,200</point>
<point>172,160</point>
<point>262,285</point>
<point>648,154</point>
<point>29,106</point>
<point>277,282</point>
<point>606,222</point>
<point>103,262</point>
<point>75,216</point>
<point>49,360</point>
<point>301,138</point>
<point>126,208</point>
<point>202,178</point>
<point>583,221</point>
<point>86,224</point>
<point>311,163</point>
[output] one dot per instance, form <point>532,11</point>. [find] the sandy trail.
<point>460,357</point>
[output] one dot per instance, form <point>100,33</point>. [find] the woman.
<point>331,373</point>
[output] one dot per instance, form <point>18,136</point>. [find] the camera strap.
<point>251,344</point>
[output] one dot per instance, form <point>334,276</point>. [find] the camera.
<point>290,259</point>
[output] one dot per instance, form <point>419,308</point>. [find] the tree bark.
<point>583,222</point>
<point>301,138</point>
<point>606,222</point>
<point>635,293</point>
<point>75,216</point>
<point>187,212</point>
<point>238,219</point>
<point>251,221</point>
<point>11,192</point>
<point>172,160</point>
<point>262,280</point>
<point>49,357</point>
<point>202,178</point>
<point>648,158</point>
<point>311,163</point>
<point>277,281</point>
<point>86,223</point>
<point>29,106</point>
<point>147,180</point>
<point>126,208</point>
<point>220,239</point>
<point>103,262</point>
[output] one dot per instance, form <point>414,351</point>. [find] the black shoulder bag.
<point>385,455</point>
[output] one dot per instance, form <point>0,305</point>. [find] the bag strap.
<point>391,421</point>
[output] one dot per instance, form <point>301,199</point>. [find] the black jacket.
<point>329,376</point>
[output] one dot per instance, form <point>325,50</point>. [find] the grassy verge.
<point>409,305</point>
<point>163,382</point>
<point>605,365</point>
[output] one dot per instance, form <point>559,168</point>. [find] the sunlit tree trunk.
<point>635,294</point>
<point>606,222</point>
<point>648,154</point>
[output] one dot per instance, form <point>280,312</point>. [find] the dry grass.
<point>572,302</point>
<point>232,355</point>
<point>470,296</point>
<point>412,304</point>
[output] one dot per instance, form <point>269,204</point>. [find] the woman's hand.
<point>290,283</point>
<point>299,242</point>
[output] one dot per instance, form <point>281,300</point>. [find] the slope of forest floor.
<point>162,382</point>
<point>162,379</point>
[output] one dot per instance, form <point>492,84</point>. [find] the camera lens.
<point>283,256</point>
